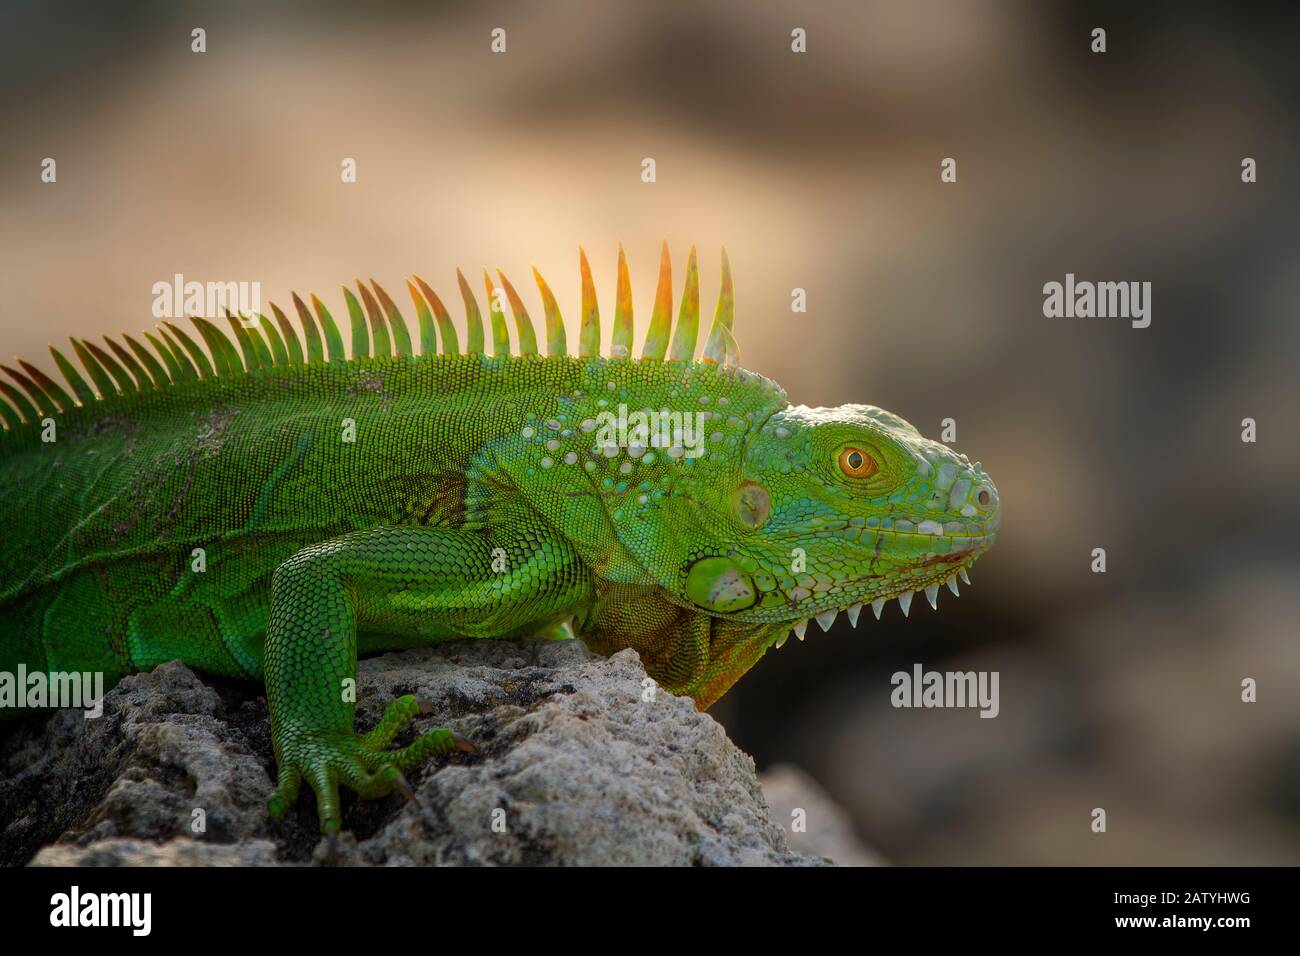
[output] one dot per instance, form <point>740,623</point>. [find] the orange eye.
<point>857,463</point>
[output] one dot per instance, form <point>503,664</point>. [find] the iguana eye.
<point>856,463</point>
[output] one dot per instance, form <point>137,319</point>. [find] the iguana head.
<point>835,508</point>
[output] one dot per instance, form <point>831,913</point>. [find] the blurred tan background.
<point>818,171</point>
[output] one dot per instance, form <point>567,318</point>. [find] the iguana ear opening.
<point>751,505</point>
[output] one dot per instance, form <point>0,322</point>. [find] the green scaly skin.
<point>473,502</point>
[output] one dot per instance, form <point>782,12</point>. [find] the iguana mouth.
<point>955,568</point>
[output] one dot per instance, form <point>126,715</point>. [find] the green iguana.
<point>270,509</point>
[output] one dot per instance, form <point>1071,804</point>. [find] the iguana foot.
<point>326,759</point>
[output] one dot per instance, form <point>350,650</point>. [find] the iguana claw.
<point>362,762</point>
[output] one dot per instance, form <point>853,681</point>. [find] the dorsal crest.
<point>377,330</point>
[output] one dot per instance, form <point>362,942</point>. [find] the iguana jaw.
<point>943,560</point>
<point>928,579</point>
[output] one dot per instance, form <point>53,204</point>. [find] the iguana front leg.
<point>403,587</point>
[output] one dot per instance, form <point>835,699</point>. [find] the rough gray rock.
<point>572,766</point>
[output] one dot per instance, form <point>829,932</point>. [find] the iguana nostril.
<point>983,497</point>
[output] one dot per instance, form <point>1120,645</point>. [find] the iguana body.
<point>275,511</point>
